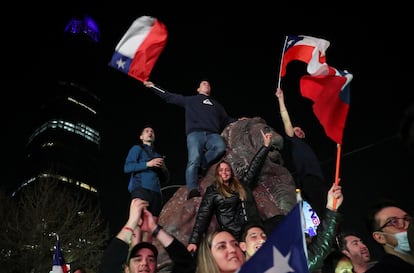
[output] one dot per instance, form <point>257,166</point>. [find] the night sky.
<point>238,49</point>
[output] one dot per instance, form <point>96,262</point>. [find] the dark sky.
<point>238,48</point>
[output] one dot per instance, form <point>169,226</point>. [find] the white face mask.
<point>403,245</point>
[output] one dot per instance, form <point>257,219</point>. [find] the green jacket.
<point>321,244</point>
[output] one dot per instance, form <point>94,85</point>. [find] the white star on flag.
<point>284,249</point>
<point>280,263</point>
<point>140,47</point>
<point>121,64</point>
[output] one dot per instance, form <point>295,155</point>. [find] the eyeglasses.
<point>396,222</point>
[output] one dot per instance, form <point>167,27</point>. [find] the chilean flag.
<point>331,97</point>
<point>307,49</point>
<point>59,264</point>
<point>284,249</point>
<point>140,47</point>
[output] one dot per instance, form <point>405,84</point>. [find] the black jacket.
<point>389,264</point>
<point>231,213</point>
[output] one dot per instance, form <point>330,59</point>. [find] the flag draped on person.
<point>283,250</point>
<point>140,47</point>
<point>326,86</point>
<point>59,264</point>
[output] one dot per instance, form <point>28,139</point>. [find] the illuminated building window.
<point>61,178</point>
<point>78,128</point>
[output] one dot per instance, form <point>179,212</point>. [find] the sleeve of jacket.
<point>322,243</point>
<point>114,256</point>
<point>250,176</point>
<point>226,119</point>
<point>182,259</point>
<point>132,162</point>
<point>204,215</point>
<point>169,97</point>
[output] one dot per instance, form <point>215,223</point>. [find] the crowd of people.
<point>241,231</point>
<point>220,251</point>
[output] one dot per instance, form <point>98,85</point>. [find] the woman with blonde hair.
<point>219,252</point>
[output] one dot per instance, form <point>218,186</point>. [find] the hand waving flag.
<point>140,48</point>
<point>326,86</point>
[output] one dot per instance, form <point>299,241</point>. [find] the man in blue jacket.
<point>147,169</point>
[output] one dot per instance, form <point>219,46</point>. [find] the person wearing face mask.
<point>388,224</point>
<point>410,235</point>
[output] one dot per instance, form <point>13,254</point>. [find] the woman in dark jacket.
<point>229,199</point>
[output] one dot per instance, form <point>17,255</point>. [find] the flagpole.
<point>338,158</point>
<point>158,89</point>
<point>281,61</point>
<point>302,221</point>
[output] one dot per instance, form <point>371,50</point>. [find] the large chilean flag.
<point>140,47</point>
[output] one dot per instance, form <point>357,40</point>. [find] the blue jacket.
<point>141,175</point>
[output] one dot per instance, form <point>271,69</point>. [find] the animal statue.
<point>274,194</point>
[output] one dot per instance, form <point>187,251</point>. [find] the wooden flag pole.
<point>338,159</point>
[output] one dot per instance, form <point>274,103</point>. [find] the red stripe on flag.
<point>330,110</point>
<point>307,49</point>
<point>299,53</point>
<point>148,52</point>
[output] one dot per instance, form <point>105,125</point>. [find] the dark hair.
<point>204,79</point>
<point>246,229</point>
<point>146,126</point>
<point>372,223</point>
<point>201,79</point>
<point>341,238</point>
<point>134,251</point>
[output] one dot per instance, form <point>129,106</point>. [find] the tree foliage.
<point>43,210</point>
